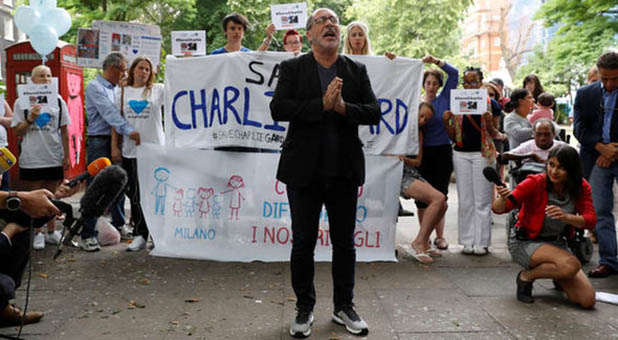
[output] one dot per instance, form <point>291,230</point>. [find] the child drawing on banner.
<point>76,111</point>
<point>177,205</point>
<point>161,175</point>
<point>235,184</point>
<point>189,203</point>
<point>204,203</point>
<point>216,206</point>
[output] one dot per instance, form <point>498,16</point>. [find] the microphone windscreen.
<point>7,159</point>
<point>492,175</point>
<point>97,165</point>
<point>102,191</point>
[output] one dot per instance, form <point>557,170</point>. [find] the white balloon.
<point>59,19</point>
<point>43,39</point>
<point>26,18</point>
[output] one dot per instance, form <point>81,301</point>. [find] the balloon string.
<point>44,59</point>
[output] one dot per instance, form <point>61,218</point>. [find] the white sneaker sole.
<point>340,321</point>
<point>301,335</point>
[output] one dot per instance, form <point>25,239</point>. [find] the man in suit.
<point>596,129</point>
<point>325,97</point>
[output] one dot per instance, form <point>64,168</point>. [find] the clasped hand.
<point>332,99</point>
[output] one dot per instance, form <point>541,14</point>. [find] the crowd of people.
<point>320,166</point>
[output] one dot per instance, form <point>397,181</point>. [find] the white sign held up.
<point>45,95</point>
<point>287,16</point>
<point>469,102</point>
<point>188,43</point>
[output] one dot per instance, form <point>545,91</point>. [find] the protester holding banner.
<point>437,162</point>
<point>44,148</point>
<point>322,162</point>
<point>292,41</point>
<point>102,115</point>
<point>140,104</point>
<point>234,27</point>
<point>474,150</point>
<point>357,39</point>
<point>415,186</point>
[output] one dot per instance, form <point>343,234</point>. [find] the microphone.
<point>492,175</point>
<point>93,169</point>
<point>7,159</point>
<point>99,195</point>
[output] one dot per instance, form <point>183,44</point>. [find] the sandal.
<point>434,252</point>
<point>423,258</point>
<point>441,243</point>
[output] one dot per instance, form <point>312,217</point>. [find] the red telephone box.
<point>20,60</point>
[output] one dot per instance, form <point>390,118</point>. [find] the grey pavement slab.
<point>113,294</point>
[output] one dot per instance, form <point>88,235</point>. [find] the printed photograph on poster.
<point>469,102</point>
<point>38,94</point>
<point>87,43</point>
<point>130,39</point>
<point>188,43</point>
<point>287,16</point>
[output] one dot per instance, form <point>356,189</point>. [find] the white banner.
<point>223,100</point>
<point>130,39</point>
<point>228,206</point>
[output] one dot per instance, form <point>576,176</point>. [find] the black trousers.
<point>340,197</point>
<point>7,290</point>
<point>137,215</point>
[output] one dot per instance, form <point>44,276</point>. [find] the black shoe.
<point>557,285</point>
<point>524,290</point>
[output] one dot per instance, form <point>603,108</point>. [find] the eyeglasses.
<point>322,20</point>
<point>472,83</point>
<point>292,43</point>
<point>123,70</point>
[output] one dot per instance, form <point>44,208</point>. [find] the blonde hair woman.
<point>357,39</point>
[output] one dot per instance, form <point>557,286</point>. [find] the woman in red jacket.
<point>551,205</point>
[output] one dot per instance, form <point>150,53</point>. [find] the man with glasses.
<point>324,96</point>
<point>596,129</point>
<point>102,115</point>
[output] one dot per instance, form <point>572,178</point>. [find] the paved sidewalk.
<point>114,294</point>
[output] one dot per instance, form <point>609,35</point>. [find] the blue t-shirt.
<point>223,50</point>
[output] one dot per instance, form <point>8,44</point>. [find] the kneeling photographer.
<point>551,205</point>
<point>17,210</point>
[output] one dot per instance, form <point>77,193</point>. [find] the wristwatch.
<point>13,203</point>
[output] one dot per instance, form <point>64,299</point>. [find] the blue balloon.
<point>43,3</point>
<point>26,18</point>
<point>59,19</point>
<point>43,39</point>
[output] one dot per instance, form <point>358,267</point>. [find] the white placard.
<point>130,39</point>
<point>2,112</point>
<point>287,16</point>
<point>469,102</point>
<point>45,95</point>
<point>228,206</point>
<point>188,43</point>
<point>223,100</point>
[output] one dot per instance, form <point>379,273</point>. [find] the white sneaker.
<point>90,244</point>
<point>467,250</point>
<point>137,244</point>
<point>481,251</point>
<point>126,232</point>
<point>39,241</point>
<point>53,238</point>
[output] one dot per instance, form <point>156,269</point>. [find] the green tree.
<point>412,28</point>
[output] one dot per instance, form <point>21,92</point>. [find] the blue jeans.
<point>602,182</point>
<point>97,148</point>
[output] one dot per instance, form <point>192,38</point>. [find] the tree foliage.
<point>412,28</point>
<point>587,29</point>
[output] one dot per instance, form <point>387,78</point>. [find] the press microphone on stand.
<point>93,169</point>
<point>492,175</point>
<point>99,195</point>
